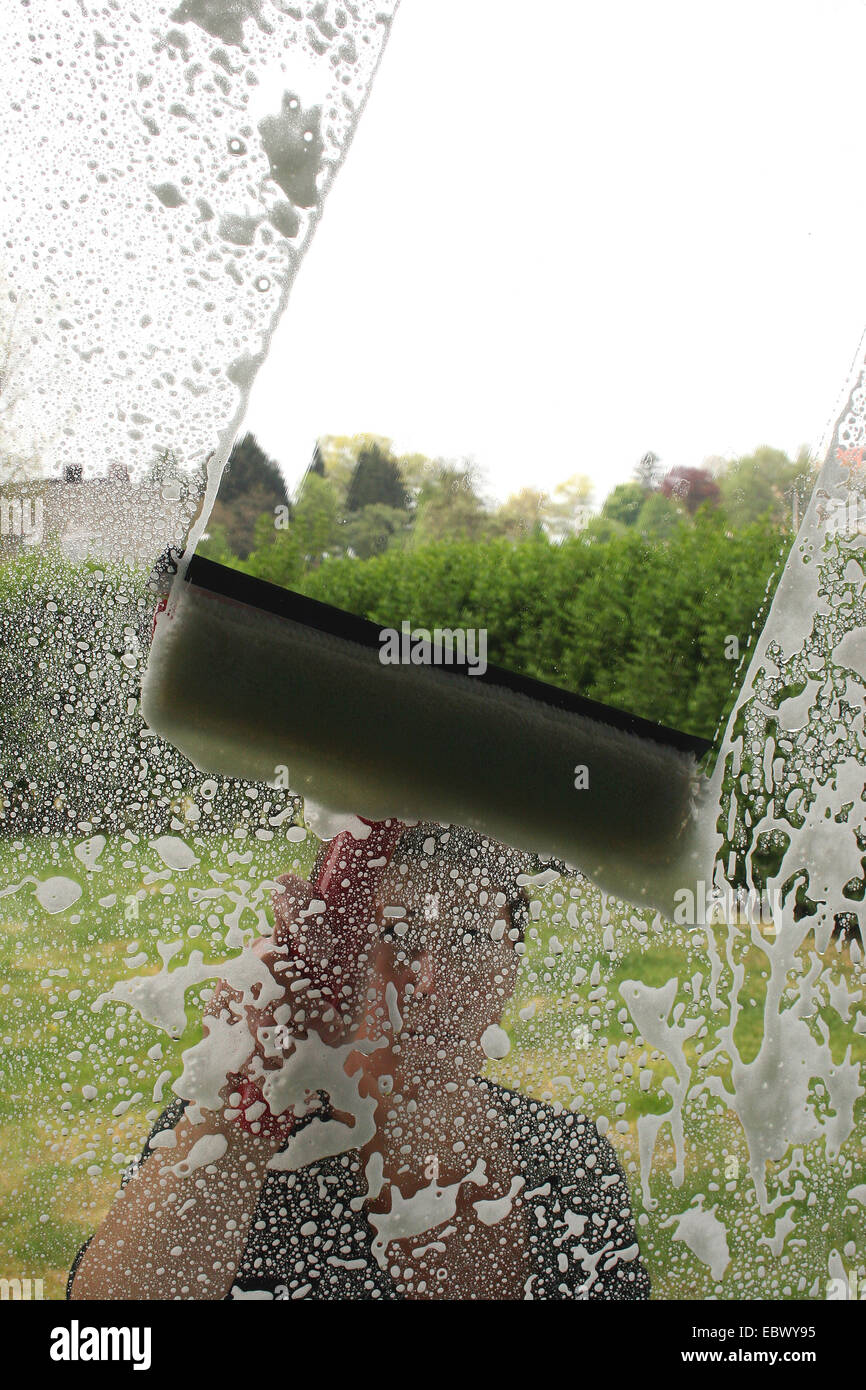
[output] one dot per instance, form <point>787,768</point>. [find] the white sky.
<point>568,234</point>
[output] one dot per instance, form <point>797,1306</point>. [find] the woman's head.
<point>451,918</point>
<point>480,870</point>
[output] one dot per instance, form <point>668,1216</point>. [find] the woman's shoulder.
<point>550,1131</point>
<point>581,1228</point>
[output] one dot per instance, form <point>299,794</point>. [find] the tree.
<point>765,484</point>
<point>314,525</point>
<point>373,529</point>
<point>317,463</point>
<point>276,556</point>
<point>600,528</point>
<point>415,470</point>
<point>250,467</point>
<point>692,486</point>
<point>376,479</point>
<point>624,503</point>
<point>658,517</point>
<point>215,546</point>
<point>449,507</point>
<point>567,509</point>
<point>521,515</point>
<point>282,554</point>
<point>647,471</point>
<point>339,454</point>
<point>251,484</point>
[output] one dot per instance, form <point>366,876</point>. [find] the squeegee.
<point>253,681</point>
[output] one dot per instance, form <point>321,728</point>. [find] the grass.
<point>573,1041</point>
<point>63,1154</point>
<point>602,1078</point>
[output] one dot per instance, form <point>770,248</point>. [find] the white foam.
<point>57,894</point>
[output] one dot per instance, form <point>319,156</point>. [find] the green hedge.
<point>635,623</point>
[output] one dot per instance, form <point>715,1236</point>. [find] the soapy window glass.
<point>559,366</point>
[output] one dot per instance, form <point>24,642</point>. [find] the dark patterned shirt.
<point>310,1237</point>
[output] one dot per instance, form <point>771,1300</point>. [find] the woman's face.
<point>443,966</point>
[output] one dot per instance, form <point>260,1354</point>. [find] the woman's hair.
<point>496,867</point>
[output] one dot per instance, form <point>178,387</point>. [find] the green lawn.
<point>62,1154</point>
<point>602,1078</point>
<point>572,1040</point>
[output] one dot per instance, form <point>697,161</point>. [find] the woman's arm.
<point>179,1227</point>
